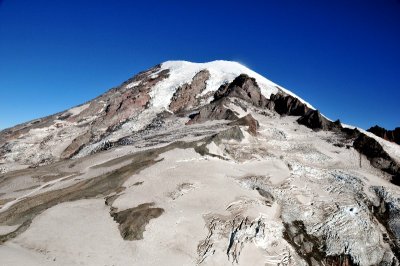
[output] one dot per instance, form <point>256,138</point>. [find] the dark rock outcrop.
<point>246,88</point>
<point>186,96</point>
<point>133,221</point>
<point>249,121</point>
<point>242,87</point>
<point>390,135</point>
<point>311,248</point>
<point>285,104</point>
<point>378,157</point>
<point>350,133</point>
<point>369,147</point>
<point>213,111</point>
<point>314,120</point>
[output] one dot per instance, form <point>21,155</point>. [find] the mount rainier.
<point>198,164</point>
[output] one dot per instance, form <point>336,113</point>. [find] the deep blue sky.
<point>341,56</point>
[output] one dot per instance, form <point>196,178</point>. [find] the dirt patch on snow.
<point>133,221</point>
<point>25,210</point>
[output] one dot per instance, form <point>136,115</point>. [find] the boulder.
<point>249,121</point>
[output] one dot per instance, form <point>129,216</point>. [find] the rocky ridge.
<point>390,135</point>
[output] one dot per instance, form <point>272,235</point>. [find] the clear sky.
<point>342,56</point>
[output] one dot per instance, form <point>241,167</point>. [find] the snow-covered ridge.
<point>391,148</point>
<point>221,72</point>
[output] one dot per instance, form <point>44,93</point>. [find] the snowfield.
<point>194,190</point>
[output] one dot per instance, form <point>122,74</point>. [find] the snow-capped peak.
<point>181,72</point>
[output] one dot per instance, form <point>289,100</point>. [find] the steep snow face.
<point>221,72</point>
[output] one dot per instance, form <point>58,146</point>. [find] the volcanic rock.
<point>314,120</point>
<point>214,111</point>
<point>378,157</point>
<point>390,135</point>
<point>186,96</point>
<point>249,121</point>
<point>285,104</point>
<point>242,87</point>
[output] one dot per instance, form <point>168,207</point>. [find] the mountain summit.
<point>197,164</point>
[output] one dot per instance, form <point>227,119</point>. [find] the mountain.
<point>197,164</point>
<point>174,86</point>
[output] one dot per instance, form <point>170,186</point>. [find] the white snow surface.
<point>221,72</point>
<point>78,109</point>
